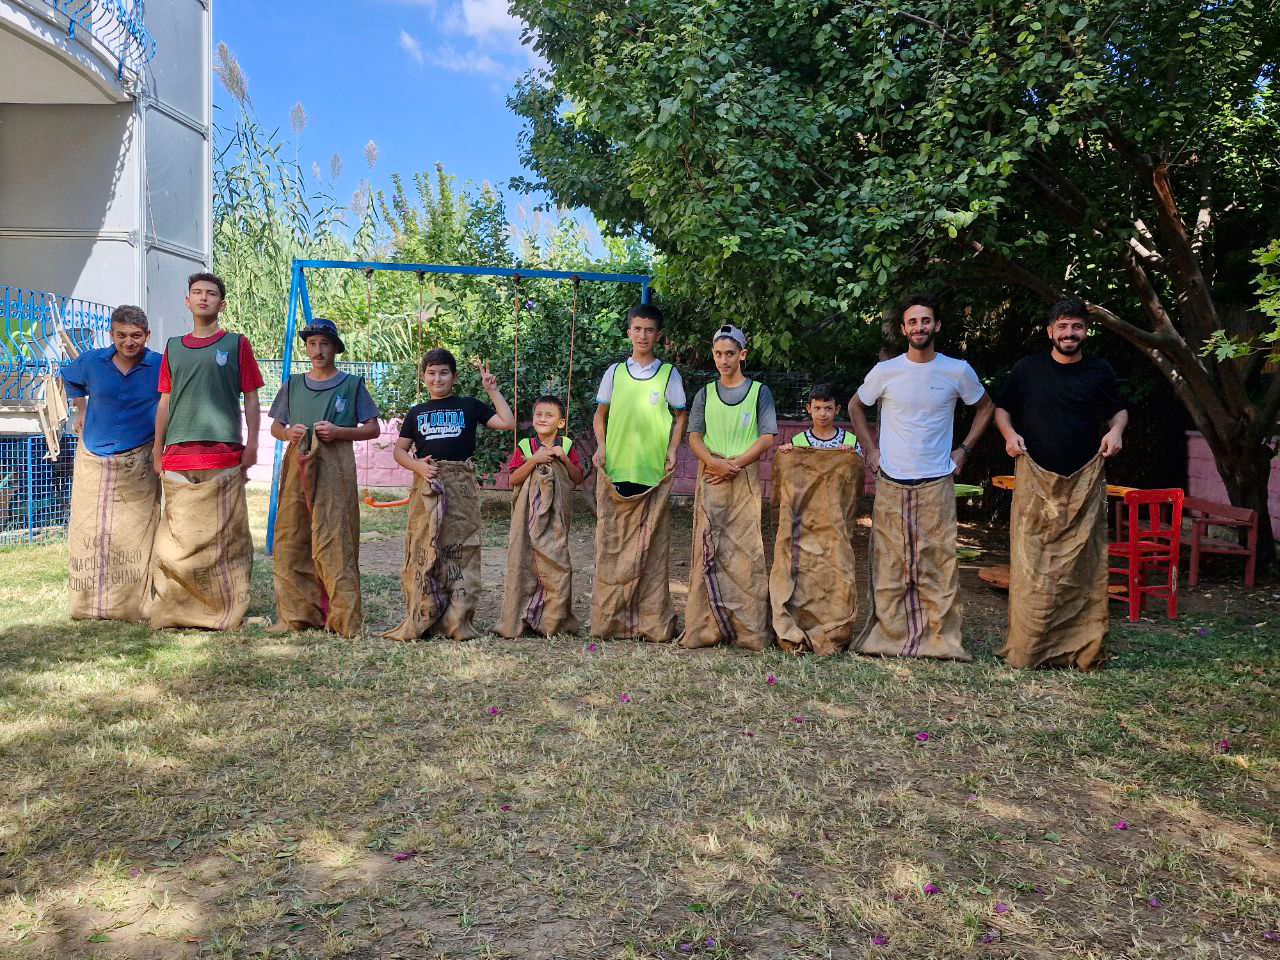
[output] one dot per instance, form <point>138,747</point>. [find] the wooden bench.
<point>1204,514</point>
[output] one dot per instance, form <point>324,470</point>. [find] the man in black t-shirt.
<point>1061,418</point>
<point>1055,405</point>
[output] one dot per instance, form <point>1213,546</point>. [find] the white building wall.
<point>100,200</point>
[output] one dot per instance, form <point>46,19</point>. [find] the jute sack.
<point>632,595</point>
<point>728,583</point>
<point>203,559</point>
<point>539,589</point>
<point>115,508</point>
<point>441,577</point>
<point>317,545</point>
<point>1057,567</point>
<point>813,585</point>
<point>915,578</point>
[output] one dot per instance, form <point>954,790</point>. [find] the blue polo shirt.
<point>122,407</point>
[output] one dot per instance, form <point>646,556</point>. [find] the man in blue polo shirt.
<point>115,498</point>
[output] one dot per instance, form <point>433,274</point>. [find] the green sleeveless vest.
<point>526,445</point>
<point>337,404</point>
<point>639,427</point>
<point>204,402</point>
<point>847,439</point>
<point>731,429</point>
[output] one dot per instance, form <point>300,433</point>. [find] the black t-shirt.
<point>1061,409</point>
<point>445,429</point>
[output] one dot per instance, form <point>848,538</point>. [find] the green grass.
<point>185,794</point>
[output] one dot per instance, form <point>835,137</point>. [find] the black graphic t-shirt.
<point>445,429</point>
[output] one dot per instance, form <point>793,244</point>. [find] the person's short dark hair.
<point>823,391</point>
<point>208,277</point>
<point>645,311</point>
<point>131,316</point>
<point>435,357</point>
<point>552,399</point>
<point>1068,308</point>
<point>919,300</point>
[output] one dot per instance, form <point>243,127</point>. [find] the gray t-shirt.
<point>366,409</point>
<point>766,415</point>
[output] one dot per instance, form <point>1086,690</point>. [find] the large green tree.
<point>813,159</point>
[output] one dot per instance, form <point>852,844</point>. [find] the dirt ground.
<point>1222,585</point>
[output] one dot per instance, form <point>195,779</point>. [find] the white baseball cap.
<point>730,332</point>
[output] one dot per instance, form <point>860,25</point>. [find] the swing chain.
<point>515,389</point>
<point>573,329</point>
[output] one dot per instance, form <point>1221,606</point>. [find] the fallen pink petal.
<point>711,941</point>
<point>922,736</point>
<point>797,719</point>
<point>685,948</point>
<point>1121,825</point>
<point>930,889</point>
<point>991,936</point>
<point>1002,908</point>
<point>493,711</point>
<point>879,940</point>
<point>505,808</point>
<point>593,647</point>
<point>973,797</point>
<point>405,855</point>
<point>1270,935</point>
<point>1154,903</point>
<point>625,698</point>
<point>1222,746</point>
<point>771,680</point>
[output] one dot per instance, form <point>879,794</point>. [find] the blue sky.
<point>426,80</point>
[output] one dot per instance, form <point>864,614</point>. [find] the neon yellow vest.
<point>731,429</point>
<point>526,445</point>
<point>802,439</point>
<point>639,427</point>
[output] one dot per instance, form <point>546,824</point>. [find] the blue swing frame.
<point>299,296</point>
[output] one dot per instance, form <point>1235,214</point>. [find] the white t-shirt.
<point>675,386</point>
<point>917,412</point>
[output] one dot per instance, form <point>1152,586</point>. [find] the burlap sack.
<point>813,585</point>
<point>1057,567</point>
<point>632,595</point>
<point>728,583</point>
<point>115,508</point>
<point>915,579</point>
<point>203,559</point>
<point>317,545</point>
<point>539,589</point>
<point>441,577</point>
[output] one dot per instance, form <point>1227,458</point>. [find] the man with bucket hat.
<point>317,545</point>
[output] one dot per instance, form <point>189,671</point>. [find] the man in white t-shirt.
<point>914,574</point>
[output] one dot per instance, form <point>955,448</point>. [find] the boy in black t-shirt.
<point>441,578</point>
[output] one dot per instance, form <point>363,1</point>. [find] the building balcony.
<point>73,51</point>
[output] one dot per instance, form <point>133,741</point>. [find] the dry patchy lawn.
<point>186,794</point>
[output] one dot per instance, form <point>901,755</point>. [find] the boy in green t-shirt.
<point>732,424</point>
<point>639,422</point>
<point>317,542</point>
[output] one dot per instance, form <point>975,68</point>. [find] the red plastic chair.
<point>1153,519</point>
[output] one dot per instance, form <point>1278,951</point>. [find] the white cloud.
<point>486,20</point>
<point>410,45</point>
<point>449,58</point>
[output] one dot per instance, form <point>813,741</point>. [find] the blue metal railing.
<point>30,325</point>
<point>117,25</point>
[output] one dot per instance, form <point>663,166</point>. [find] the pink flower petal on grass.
<point>1120,825</point>
<point>930,889</point>
<point>592,647</point>
<point>625,698</point>
<point>405,855</point>
<point>922,737</point>
<point>797,719</point>
<point>879,940</point>
<point>771,680</point>
<point>1154,903</point>
<point>1222,746</point>
<point>991,936</point>
<point>505,808</point>
<point>493,711</point>
<point>1002,908</point>
<point>1270,935</point>
<point>685,948</point>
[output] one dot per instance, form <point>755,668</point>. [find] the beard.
<point>925,344</point>
<point>1068,348</point>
